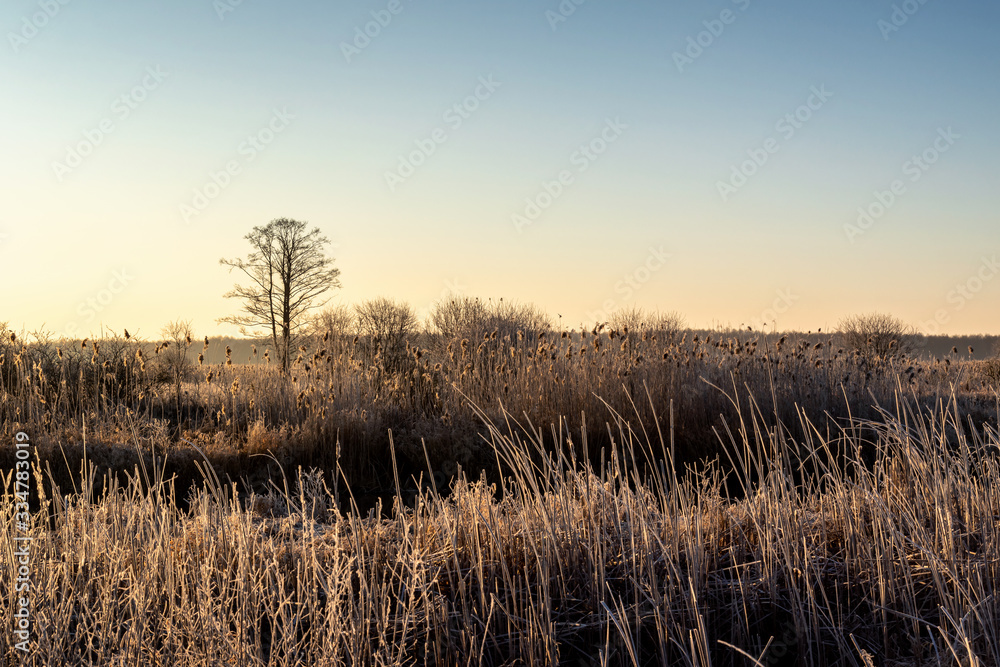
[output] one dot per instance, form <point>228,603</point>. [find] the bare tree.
<point>288,273</point>
<point>877,335</point>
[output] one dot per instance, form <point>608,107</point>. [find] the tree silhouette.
<point>288,273</point>
<point>877,336</point>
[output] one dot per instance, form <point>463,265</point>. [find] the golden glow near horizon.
<point>784,167</point>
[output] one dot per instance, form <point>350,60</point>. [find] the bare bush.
<point>472,318</point>
<point>458,317</point>
<point>877,335</point>
<point>174,365</point>
<point>332,327</point>
<point>633,319</point>
<point>990,369</point>
<point>386,325</point>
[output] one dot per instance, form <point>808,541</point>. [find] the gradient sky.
<point>647,211</point>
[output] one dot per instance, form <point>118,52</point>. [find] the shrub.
<point>632,319</point>
<point>472,318</point>
<point>877,336</point>
<point>386,325</point>
<point>334,322</point>
<point>990,369</point>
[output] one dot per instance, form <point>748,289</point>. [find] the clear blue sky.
<point>662,211</point>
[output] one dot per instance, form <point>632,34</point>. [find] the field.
<point>635,495</point>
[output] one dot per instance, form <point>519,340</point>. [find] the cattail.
<point>13,338</point>
<point>201,359</point>
<point>970,349</point>
<point>59,353</point>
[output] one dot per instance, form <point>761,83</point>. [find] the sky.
<point>774,164</point>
